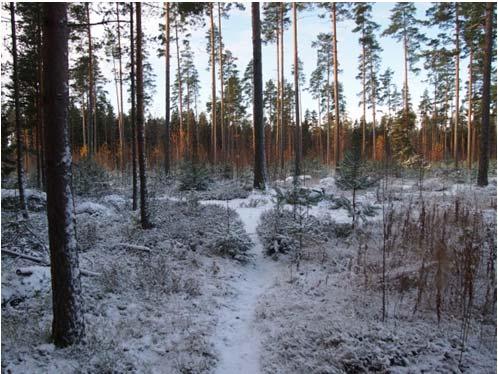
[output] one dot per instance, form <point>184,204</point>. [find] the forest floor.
<point>168,300</point>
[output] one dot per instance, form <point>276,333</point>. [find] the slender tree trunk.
<point>297,139</point>
<point>91,97</point>
<point>278,138</point>
<point>457,86</point>
<point>374,122</point>
<point>482,177</point>
<point>133,108</point>
<point>17,108</point>
<point>469,114</point>
<point>336,88</point>
<point>167,150</point>
<point>282,90</point>
<point>68,323</point>
<point>180,89</point>
<point>121,122</point>
<point>222,103</point>
<point>39,112</point>
<point>364,122</point>
<point>144,203</point>
<point>406,108</point>
<point>213,87</point>
<point>259,130</point>
<point>328,110</point>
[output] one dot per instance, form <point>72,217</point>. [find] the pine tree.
<point>259,134</point>
<point>68,324</point>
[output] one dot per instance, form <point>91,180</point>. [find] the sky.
<point>237,36</point>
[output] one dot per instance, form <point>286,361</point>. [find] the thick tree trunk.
<point>482,177</point>
<point>297,136</point>
<point>133,109</point>
<point>457,86</point>
<point>167,151</point>
<point>336,88</point>
<point>68,323</point>
<point>259,131</point>
<point>91,97</point>
<point>144,202</point>
<point>17,108</point>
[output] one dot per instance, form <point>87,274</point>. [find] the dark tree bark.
<point>19,144</point>
<point>337,141</point>
<point>213,86</point>
<point>167,151</point>
<point>297,138</point>
<point>259,131</point>
<point>482,177</point>
<point>144,202</point>
<point>133,109</point>
<point>91,97</point>
<point>282,90</point>
<point>68,324</point>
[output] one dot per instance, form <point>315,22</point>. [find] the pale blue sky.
<point>237,38</point>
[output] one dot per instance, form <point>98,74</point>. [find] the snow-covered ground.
<point>182,308</point>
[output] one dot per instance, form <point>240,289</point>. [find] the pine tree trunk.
<point>482,177</point>
<point>180,91</point>
<point>457,85</point>
<point>278,138</point>
<point>297,136</point>
<point>167,150</point>
<point>17,108</point>
<point>213,87</point>
<point>91,102</point>
<point>469,114</point>
<point>121,122</point>
<point>68,323</point>
<point>222,103</point>
<point>282,91</point>
<point>133,109</point>
<point>39,112</point>
<point>336,89</point>
<point>374,122</point>
<point>144,203</point>
<point>364,122</point>
<point>259,131</point>
<point>328,110</point>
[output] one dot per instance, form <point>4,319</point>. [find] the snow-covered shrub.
<point>90,178</point>
<point>232,242</point>
<point>35,200</point>
<point>86,233</point>
<point>226,190</point>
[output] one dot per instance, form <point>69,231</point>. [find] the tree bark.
<point>222,116</point>
<point>457,85</point>
<point>336,88</point>
<point>364,122</point>
<point>213,87</point>
<point>282,90</point>
<point>482,177</point>
<point>91,97</point>
<point>259,131</point>
<point>297,138</point>
<point>120,118</point>
<point>469,113</point>
<point>68,323</point>
<point>17,109</point>
<point>374,122</point>
<point>144,203</point>
<point>180,90</point>
<point>132,114</point>
<point>167,150</point>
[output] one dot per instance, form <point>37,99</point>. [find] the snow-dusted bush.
<point>90,178</point>
<point>35,200</point>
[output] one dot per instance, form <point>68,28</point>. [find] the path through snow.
<point>236,338</point>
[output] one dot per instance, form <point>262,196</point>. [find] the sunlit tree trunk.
<point>337,141</point>
<point>213,87</point>
<point>132,112</point>
<point>167,150</point>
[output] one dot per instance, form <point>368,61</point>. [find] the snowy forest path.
<point>236,338</point>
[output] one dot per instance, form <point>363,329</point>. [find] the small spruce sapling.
<point>352,176</point>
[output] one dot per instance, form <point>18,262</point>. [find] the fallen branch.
<point>133,246</point>
<point>42,261</point>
